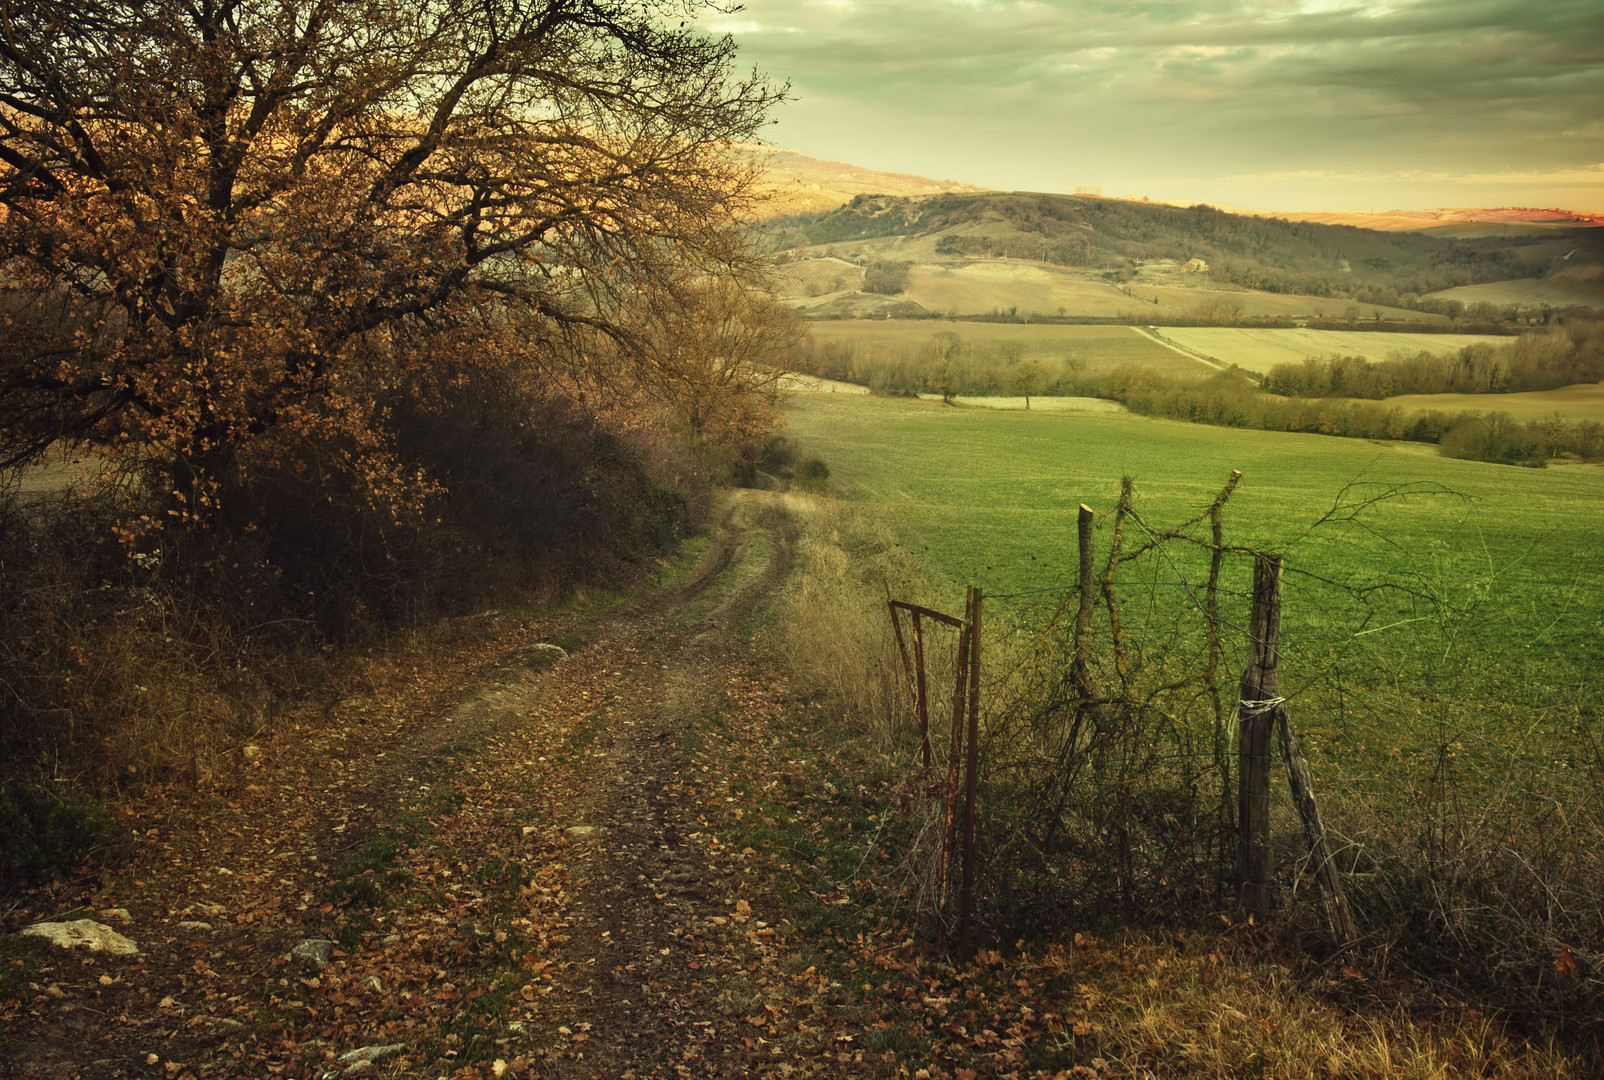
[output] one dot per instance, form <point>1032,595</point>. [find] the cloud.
<point>1454,85</point>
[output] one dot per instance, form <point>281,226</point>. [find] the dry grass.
<point>833,615</point>
<point>1189,1009</point>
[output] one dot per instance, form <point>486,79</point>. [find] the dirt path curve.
<point>538,824</point>
<point>660,918</point>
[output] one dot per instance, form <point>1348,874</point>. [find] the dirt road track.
<point>634,926</point>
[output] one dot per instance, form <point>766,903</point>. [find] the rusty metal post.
<point>902,647</point>
<point>921,696</point>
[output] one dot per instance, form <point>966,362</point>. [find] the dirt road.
<point>520,874</point>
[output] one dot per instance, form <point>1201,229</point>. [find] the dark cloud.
<point>1020,94</point>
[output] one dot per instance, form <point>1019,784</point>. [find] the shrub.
<point>45,835</point>
<point>812,474</point>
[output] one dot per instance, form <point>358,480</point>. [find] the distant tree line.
<point>1229,400</point>
<point>1327,396</point>
<point>1561,357</point>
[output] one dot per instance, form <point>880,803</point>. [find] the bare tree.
<point>231,226</point>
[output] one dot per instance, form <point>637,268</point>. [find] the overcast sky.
<point>1267,104</point>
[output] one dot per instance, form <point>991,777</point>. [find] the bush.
<point>812,474</point>
<point>45,835</point>
<point>778,456</point>
<point>886,278</point>
<point>125,668</point>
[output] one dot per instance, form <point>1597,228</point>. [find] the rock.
<point>580,832</point>
<point>83,934</point>
<point>548,651</point>
<point>390,939</point>
<point>370,1053</point>
<point>211,909</point>
<point>313,950</point>
<point>194,924</point>
<point>252,752</point>
<point>118,913</point>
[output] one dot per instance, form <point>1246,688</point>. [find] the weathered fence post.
<point>1338,915</point>
<point>1085,684</point>
<point>966,895</point>
<point>1255,716</point>
<point>949,835</point>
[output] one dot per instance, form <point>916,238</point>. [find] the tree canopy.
<point>233,226</point>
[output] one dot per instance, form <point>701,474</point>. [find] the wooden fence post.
<point>1255,716</point>
<point>1085,684</point>
<point>966,895</point>
<point>1338,915</point>
<point>949,835</point>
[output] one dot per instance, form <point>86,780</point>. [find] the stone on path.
<point>370,1053</point>
<point>316,950</point>
<point>580,832</point>
<point>83,934</point>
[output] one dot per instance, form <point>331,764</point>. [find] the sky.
<point>1256,104</point>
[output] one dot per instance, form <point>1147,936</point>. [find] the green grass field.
<point>1497,618</point>
<point>1101,348</point>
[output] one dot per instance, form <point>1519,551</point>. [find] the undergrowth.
<point>1192,990</point>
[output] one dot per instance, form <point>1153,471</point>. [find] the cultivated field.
<point>1189,300</point>
<point>1584,401</point>
<point>981,287</point>
<point>814,277</point>
<point>1035,404</point>
<point>1100,348</point>
<point>1260,350</point>
<point>1528,292</point>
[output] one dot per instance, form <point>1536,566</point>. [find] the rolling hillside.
<point>1023,255</point>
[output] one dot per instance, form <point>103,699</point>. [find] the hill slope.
<point>1078,241</point>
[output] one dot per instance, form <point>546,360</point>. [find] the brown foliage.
<point>233,230</point>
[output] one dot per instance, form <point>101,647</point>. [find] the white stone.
<point>83,934</point>
<point>317,950</point>
<point>371,1053</point>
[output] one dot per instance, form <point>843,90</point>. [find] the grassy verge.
<point>817,761</point>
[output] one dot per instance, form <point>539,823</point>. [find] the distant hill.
<point>799,184</point>
<point>976,252</point>
<point>1463,221</point>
